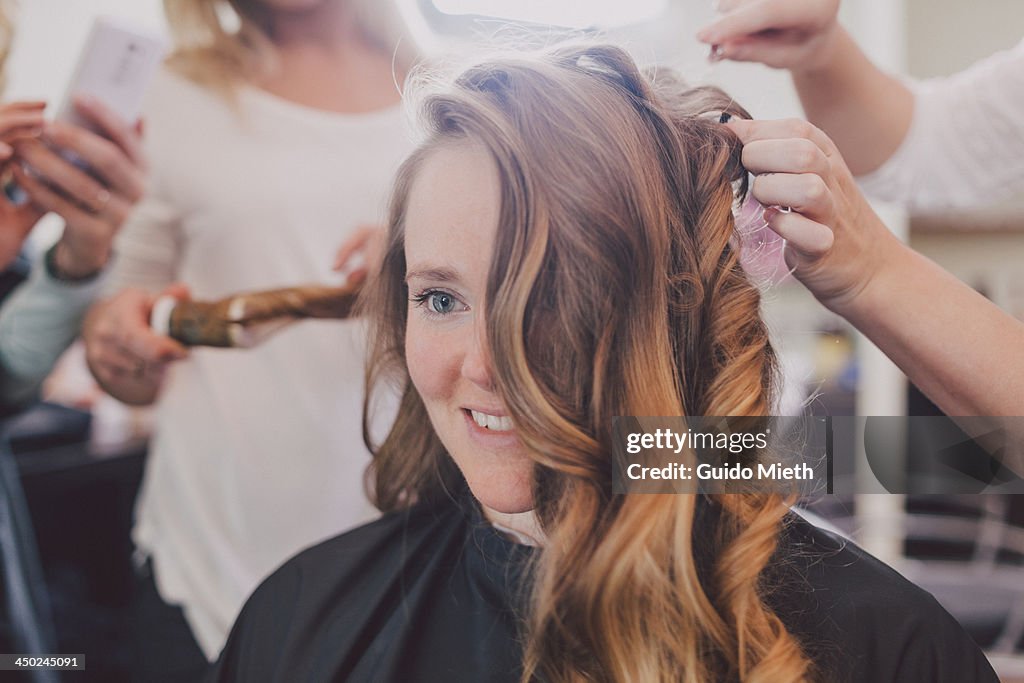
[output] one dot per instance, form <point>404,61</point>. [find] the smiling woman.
<point>452,220</point>
<point>561,251</point>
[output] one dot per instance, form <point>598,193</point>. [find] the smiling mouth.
<point>492,422</point>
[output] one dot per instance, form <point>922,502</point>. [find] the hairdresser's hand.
<point>94,203</point>
<point>125,355</point>
<point>834,240</point>
<point>361,253</point>
<point>18,121</point>
<point>791,34</point>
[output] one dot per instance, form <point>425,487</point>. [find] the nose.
<point>476,364</point>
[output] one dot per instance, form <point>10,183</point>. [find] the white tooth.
<point>495,422</point>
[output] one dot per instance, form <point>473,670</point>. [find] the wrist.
<point>888,263</point>
<point>834,51</point>
<point>67,264</point>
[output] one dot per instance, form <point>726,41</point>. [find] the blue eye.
<point>441,302</point>
<point>436,302</point>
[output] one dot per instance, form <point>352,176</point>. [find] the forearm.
<point>864,110</point>
<point>37,323</point>
<point>960,349</point>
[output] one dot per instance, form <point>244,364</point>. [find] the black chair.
<point>28,613</point>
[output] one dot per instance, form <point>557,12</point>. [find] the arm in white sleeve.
<point>965,145</point>
<point>38,322</point>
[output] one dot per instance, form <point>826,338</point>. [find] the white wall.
<point>49,34</point>
<point>944,36</point>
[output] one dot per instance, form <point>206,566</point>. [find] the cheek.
<point>432,358</point>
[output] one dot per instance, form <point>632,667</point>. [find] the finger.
<point>354,243</point>
<point>781,129</point>
<point>178,290</point>
<point>808,238</point>
<point>803,192</point>
<point>746,19</point>
<point>5,151</point>
<point>47,199</point>
<point>61,173</point>
<point>114,359</point>
<point>774,51</point>
<point>21,121</point>
<point>111,125</point>
<point>795,155</point>
<point>358,261</point>
<point>103,157</point>
<point>152,347</point>
<point>23,104</point>
<point>356,277</point>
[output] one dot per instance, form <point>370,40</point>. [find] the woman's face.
<point>451,221</point>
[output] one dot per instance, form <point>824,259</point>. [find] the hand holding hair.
<point>956,345</point>
<point>835,241</point>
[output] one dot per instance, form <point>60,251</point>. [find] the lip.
<point>496,412</point>
<point>487,438</point>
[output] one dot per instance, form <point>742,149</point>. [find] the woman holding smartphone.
<point>41,317</point>
<point>271,142</point>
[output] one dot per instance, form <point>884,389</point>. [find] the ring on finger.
<point>100,201</point>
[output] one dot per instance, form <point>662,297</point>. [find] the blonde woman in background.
<point>271,142</point>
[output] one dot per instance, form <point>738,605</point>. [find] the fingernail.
<point>717,53</point>
<point>704,35</point>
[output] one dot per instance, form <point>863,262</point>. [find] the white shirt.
<point>965,145</point>
<point>256,453</point>
<point>37,323</point>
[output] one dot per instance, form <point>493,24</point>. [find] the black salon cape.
<point>428,595</point>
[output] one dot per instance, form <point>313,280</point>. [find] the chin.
<point>504,503</point>
<point>503,491</point>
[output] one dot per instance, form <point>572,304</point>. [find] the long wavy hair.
<point>221,43</point>
<point>615,288</point>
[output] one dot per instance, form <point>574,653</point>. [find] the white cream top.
<point>965,145</point>
<point>257,453</point>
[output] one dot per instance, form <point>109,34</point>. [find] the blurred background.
<point>79,477</point>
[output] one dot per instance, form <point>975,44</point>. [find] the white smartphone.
<point>115,66</point>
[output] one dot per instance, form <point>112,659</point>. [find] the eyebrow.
<point>433,274</point>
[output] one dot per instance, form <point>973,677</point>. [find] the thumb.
<point>178,290</point>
